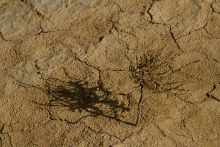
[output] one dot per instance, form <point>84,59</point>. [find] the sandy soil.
<point>110,73</point>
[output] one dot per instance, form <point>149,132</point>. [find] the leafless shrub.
<point>153,71</point>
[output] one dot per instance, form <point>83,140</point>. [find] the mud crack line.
<point>174,39</point>
<point>100,132</point>
<point>139,108</point>
<point>209,95</point>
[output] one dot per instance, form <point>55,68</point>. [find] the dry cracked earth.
<point>110,73</point>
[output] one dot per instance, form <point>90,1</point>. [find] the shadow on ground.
<point>77,96</point>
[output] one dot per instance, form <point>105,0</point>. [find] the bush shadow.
<point>78,96</point>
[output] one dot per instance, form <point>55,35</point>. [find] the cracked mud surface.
<point>110,73</point>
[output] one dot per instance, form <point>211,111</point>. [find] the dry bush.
<point>152,70</point>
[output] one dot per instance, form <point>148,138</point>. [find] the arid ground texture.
<point>109,73</point>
